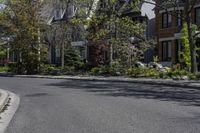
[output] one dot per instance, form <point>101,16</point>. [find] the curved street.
<point>68,106</point>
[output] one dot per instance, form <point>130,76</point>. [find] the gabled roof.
<point>46,13</point>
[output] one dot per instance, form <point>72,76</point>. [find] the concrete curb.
<point>8,114</point>
<point>4,97</point>
<point>165,82</point>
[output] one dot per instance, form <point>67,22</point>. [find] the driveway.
<point>66,106</point>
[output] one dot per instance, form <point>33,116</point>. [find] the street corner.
<point>9,103</point>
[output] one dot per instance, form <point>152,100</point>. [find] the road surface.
<point>66,106</point>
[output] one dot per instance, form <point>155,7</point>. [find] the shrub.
<point>176,67</point>
<point>163,75</point>
<point>135,72</point>
<point>116,68</point>
<point>95,70</point>
<point>73,59</point>
<point>12,66</point>
<point>198,76</point>
<point>113,69</point>
<point>192,76</point>
<point>69,70</point>
<point>180,73</point>
<point>151,72</point>
<point>47,68</point>
<point>177,74</point>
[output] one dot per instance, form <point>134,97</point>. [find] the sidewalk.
<point>7,97</point>
<point>166,82</point>
<point>4,97</point>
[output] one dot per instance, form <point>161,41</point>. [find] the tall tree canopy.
<point>22,22</point>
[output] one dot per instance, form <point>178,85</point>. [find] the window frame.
<point>57,14</point>
<point>197,9</point>
<point>179,21</point>
<point>166,50</point>
<point>166,20</point>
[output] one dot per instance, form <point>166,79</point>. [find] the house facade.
<point>60,15</point>
<point>168,30</point>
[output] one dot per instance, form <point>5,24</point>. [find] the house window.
<point>179,49</point>
<point>71,11</point>
<point>58,13</point>
<point>179,19</point>
<point>167,50</point>
<point>58,53</point>
<point>197,17</point>
<point>166,20</point>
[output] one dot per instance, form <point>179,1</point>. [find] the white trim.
<point>177,35</point>
<point>63,13</point>
<point>94,7</point>
<point>50,20</point>
<point>78,44</point>
<point>171,9</point>
<point>166,39</point>
<point>198,5</point>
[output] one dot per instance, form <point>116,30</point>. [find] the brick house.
<point>168,28</point>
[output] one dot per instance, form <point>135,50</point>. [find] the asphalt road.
<point>65,106</point>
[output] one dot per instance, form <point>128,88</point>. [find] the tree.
<point>3,53</point>
<point>22,22</point>
<point>56,36</point>
<point>72,58</point>
<point>76,12</point>
<point>189,5</point>
<point>184,55</point>
<point>109,25</point>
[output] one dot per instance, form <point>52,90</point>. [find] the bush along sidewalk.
<point>152,70</point>
<point>3,68</point>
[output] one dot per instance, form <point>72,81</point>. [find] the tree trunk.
<point>39,50</point>
<point>8,53</point>
<point>63,55</point>
<point>193,57</point>
<point>111,53</point>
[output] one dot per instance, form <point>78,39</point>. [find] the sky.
<point>2,6</point>
<point>148,10</point>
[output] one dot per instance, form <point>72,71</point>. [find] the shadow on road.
<point>186,96</point>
